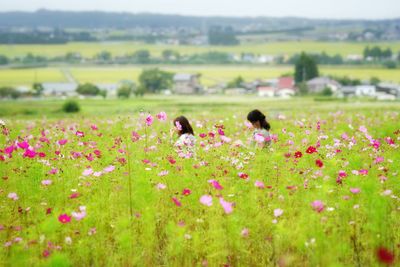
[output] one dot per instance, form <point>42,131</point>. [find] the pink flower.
<point>53,171</point>
<point>79,215</point>
<point>206,200</point>
<point>259,138</point>
<point>162,116</point>
<point>62,142</point>
<point>355,190</point>
<point>109,169</point>
<point>46,182</point>
<point>221,132</point>
<point>245,232</point>
<point>215,184</point>
<point>161,186</point>
<point>74,195</point>
<point>9,150</point>
<point>227,206</point>
<point>278,212</point>
<point>135,136</point>
<point>163,173</point>
<point>342,174</point>
<point>177,202</point>
<point>97,174</point>
<point>379,160</point>
<point>363,172</point>
<point>149,120</point>
<point>80,134</point>
<point>94,127</point>
<point>13,196</point>
<point>64,218</point>
<point>87,172</point>
<point>363,129</point>
<point>178,126</point>
<point>259,184</point>
<point>318,206</point>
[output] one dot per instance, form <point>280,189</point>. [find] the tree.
<point>124,91</point>
<point>327,92</point>
<point>169,54</point>
<point>374,81</point>
<point>4,60</point>
<point>141,56</point>
<point>104,56</point>
<point>6,92</point>
<point>387,53</point>
<point>218,35</point>
<point>305,69</point>
<point>103,93</point>
<point>235,83</point>
<point>88,89</point>
<point>390,64</point>
<point>71,106</point>
<point>367,52</point>
<point>154,80</point>
<point>38,89</point>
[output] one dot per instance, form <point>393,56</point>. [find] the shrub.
<point>71,106</point>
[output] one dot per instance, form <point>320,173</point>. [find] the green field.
<point>103,188</point>
<point>121,48</point>
<point>210,75</point>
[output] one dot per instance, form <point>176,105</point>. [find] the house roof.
<point>180,77</point>
<point>322,81</point>
<point>285,82</point>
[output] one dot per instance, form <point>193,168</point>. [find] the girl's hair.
<point>185,125</point>
<point>257,115</point>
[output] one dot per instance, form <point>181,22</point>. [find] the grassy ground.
<point>104,198</point>
<point>209,74</point>
<point>121,48</point>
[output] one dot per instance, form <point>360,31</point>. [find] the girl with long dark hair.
<point>261,135</point>
<point>186,141</point>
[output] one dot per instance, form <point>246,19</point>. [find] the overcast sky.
<point>368,9</point>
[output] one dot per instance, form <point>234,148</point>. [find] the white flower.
<point>2,123</point>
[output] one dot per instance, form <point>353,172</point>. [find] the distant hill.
<point>96,20</point>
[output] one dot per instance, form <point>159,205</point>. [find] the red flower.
<point>319,163</point>
<point>385,256</point>
<point>46,253</point>
<point>186,192</point>
<point>311,150</point>
<point>74,195</point>
<point>64,218</point>
<point>298,154</point>
<point>243,175</point>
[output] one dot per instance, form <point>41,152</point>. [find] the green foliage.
<point>124,91</point>
<point>88,89</point>
<point>141,57</point>
<point>305,68</point>
<point>390,64</point>
<point>104,56</point>
<point>169,54</point>
<point>235,83</point>
<point>9,92</point>
<point>327,92</point>
<point>154,80</point>
<point>303,89</point>
<point>374,81</point>
<point>103,93</point>
<point>347,81</point>
<point>71,106</point>
<point>377,53</point>
<point>218,35</point>
<point>4,60</point>
<point>38,89</point>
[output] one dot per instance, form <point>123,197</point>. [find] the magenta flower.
<point>176,202</point>
<point>243,175</point>
<point>29,153</point>
<point>80,134</point>
<point>162,116</point>
<point>9,150</point>
<point>206,200</point>
<point>363,172</point>
<point>379,160</point>
<point>215,184</point>
<point>227,206</point>
<point>355,190</point>
<point>149,120</point>
<point>62,142</point>
<point>186,192</point>
<point>23,145</point>
<point>53,171</point>
<point>64,218</point>
<point>318,205</point>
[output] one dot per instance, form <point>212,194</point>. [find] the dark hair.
<point>186,127</point>
<point>257,115</point>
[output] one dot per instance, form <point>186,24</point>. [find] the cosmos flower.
<point>215,184</point>
<point>259,184</point>
<point>355,190</point>
<point>318,206</point>
<point>319,163</point>
<point>162,116</point>
<point>278,212</point>
<point>206,200</point>
<point>186,192</point>
<point>311,150</point>
<point>176,202</point>
<point>227,206</point>
<point>64,218</point>
<point>298,154</point>
<point>13,196</point>
<point>149,120</point>
<point>385,256</point>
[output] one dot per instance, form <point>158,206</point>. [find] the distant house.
<point>285,87</point>
<point>318,84</point>
<point>389,88</point>
<point>59,89</point>
<point>186,84</point>
<point>266,91</point>
<point>357,91</point>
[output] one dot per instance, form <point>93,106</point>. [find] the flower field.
<point>112,191</point>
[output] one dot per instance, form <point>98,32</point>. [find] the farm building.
<point>318,84</point>
<point>359,90</point>
<point>59,89</point>
<point>186,84</point>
